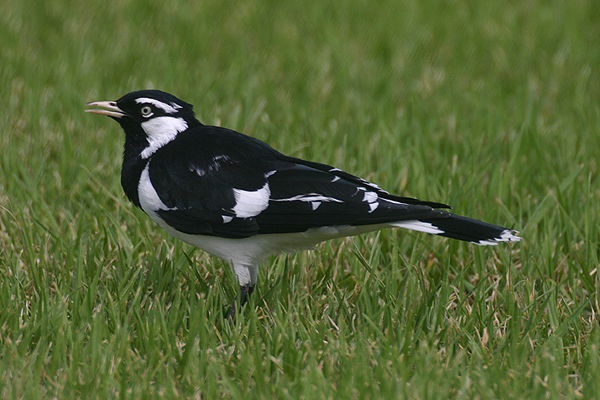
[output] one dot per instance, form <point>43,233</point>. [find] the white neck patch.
<point>160,131</point>
<point>168,108</point>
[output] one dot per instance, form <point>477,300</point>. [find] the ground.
<point>492,107</point>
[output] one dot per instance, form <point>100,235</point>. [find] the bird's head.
<point>149,116</point>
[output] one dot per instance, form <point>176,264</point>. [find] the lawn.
<point>492,107</point>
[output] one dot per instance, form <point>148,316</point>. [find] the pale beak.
<point>110,109</point>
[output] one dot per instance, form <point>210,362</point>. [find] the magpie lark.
<point>238,199</point>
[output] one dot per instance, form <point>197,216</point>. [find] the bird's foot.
<point>245,292</point>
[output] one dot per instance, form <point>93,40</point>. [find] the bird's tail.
<point>462,228</point>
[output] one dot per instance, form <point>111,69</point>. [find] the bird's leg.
<point>245,292</point>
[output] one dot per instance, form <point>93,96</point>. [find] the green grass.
<point>493,107</point>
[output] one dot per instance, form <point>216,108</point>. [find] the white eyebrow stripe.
<point>168,108</point>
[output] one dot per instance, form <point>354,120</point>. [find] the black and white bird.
<point>238,199</point>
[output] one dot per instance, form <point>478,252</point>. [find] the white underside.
<point>245,254</point>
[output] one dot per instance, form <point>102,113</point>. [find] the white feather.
<point>370,197</point>
<point>251,203</point>
<point>373,206</point>
<point>309,198</point>
<point>506,235</point>
<point>149,199</point>
<point>160,131</point>
<point>418,226</point>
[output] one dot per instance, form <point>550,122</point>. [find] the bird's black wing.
<point>305,195</point>
<point>361,182</point>
<point>222,183</point>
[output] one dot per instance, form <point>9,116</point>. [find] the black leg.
<point>245,292</point>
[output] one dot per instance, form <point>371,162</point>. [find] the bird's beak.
<point>109,108</point>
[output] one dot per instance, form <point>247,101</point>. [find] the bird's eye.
<point>146,111</point>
